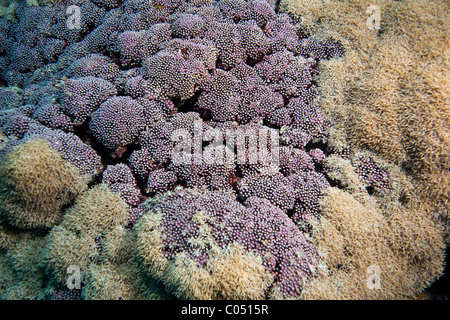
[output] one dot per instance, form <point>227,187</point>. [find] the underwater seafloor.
<point>225,149</point>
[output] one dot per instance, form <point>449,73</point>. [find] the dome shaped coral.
<point>36,183</point>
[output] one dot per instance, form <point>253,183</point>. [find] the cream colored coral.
<point>35,184</point>
<point>354,236</point>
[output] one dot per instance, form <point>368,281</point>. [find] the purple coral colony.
<point>110,94</point>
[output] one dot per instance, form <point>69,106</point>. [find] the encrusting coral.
<point>21,270</point>
<point>92,236</point>
<point>382,231</point>
<point>126,149</point>
<point>357,242</point>
<point>389,93</point>
<point>8,9</point>
<point>36,183</point>
<point>74,240</point>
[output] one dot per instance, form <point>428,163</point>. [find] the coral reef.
<point>196,243</point>
<point>35,185</point>
<point>229,149</point>
<point>389,93</point>
<point>356,241</point>
<point>92,237</point>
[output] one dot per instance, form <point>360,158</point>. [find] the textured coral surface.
<point>389,96</point>
<point>174,149</point>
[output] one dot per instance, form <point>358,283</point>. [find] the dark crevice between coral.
<point>67,205</point>
<point>187,105</point>
<point>440,289</point>
<point>11,229</point>
<point>116,157</point>
<point>277,6</point>
<point>252,62</point>
<point>290,212</point>
<point>303,225</point>
<point>370,190</point>
<point>286,99</point>
<point>334,183</point>
<point>115,57</point>
<point>95,180</point>
<point>317,145</point>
